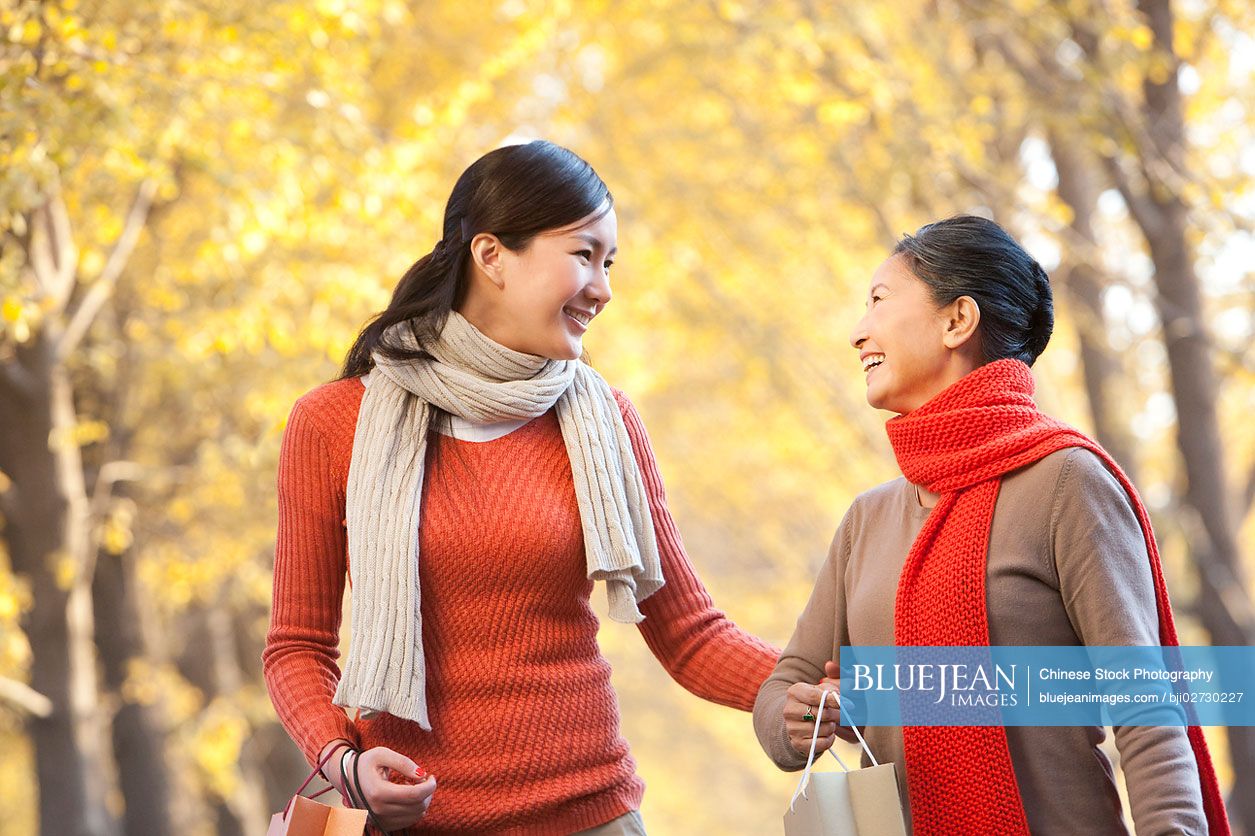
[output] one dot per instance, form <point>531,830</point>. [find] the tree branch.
<point>103,287</point>
<point>61,246</point>
<point>111,473</point>
<point>1226,581</point>
<point>1248,496</point>
<point>38,251</point>
<point>24,698</point>
<point>1145,212</point>
<point>50,248</point>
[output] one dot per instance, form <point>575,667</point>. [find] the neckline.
<point>529,428</point>
<point>910,500</point>
<point>462,430</point>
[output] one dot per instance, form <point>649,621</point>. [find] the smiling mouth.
<point>581,317</point>
<point>872,361</point>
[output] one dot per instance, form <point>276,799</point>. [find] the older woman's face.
<point>900,340</point>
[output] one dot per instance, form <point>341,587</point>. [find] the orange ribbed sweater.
<point>525,723</point>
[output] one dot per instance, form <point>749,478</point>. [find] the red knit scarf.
<point>960,445</point>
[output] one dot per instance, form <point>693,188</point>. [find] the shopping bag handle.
<point>317,770</point>
<point>810,758</point>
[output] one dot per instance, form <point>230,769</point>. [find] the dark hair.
<point>970,256</point>
<point>516,193</point>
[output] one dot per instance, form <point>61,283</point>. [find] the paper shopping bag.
<point>853,802</point>
<point>877,804</point>
<point>823,807</point>
<point>306,817</point>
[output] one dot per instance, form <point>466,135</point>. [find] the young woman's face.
<point>901,341</point>
<point>547,294</point>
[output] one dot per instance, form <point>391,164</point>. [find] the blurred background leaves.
<point>202,202</point>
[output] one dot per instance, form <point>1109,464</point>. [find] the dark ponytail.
<point>970,256</point>
<point>516,193</point>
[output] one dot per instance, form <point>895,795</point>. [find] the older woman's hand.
<point>801,702</point>
<point>802,698</point>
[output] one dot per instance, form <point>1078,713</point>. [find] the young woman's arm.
<point>1105,581</point>
<point>303,643</point>
<point>699,646</point>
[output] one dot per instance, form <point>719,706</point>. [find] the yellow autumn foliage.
<point>764,159</point>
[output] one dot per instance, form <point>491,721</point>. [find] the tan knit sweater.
<point>1067,565</point>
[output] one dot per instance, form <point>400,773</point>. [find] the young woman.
<point>1007,528</point>
<point>475,478</point>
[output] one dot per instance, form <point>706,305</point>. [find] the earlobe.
<point>486,255</point>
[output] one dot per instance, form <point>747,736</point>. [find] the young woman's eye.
<point>585,255</point>
<point>609,264</point>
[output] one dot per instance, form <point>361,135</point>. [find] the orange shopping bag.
<point>307,817</point>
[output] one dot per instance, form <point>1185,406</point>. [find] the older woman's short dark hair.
<point>972,256</point>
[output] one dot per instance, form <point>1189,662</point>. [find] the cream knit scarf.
<point>481,381</point>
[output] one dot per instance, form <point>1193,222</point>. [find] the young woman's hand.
<point>396,789</point>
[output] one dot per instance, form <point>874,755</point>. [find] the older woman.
<point>1006,528</point>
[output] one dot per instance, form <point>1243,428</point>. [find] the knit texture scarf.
<point>960,444</point>
<point>479,380</point>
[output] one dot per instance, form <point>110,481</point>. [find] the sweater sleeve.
<point>1108,592</point>
<point>302,645</point>
<point>817,638</point>
<point>697,644</point>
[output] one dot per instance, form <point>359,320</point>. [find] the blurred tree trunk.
<point>49,528</point>
<point>269,749</point>
<point>46,531</point>
<point>1152,192</point>
<point>50,522</point>
<point>282,764</point>
<point>138,740</point>
<point>1081,277</point>
<point>138,727</point>
<point>47,534</point>
<point>210,661</point>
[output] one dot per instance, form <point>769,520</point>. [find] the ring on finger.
<point>809,717</point>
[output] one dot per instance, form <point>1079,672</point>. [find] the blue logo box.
<point>1048,686</point>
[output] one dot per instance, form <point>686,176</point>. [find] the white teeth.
<point>579,316</point>
<point>872,361</point>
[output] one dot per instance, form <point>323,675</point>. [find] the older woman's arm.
<point>1109,595</point>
